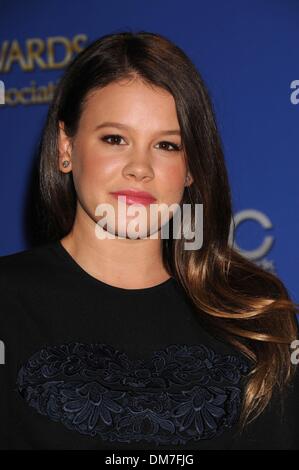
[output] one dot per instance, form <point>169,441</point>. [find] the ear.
<point>189,179</point>
<point>64,149</point>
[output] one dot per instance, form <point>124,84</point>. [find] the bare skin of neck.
<point>120,262</point>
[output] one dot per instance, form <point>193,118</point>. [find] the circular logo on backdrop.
<point>259,252</point>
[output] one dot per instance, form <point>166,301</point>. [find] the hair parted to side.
<point>240,302</point>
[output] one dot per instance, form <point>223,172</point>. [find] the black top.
<point>93,366</point>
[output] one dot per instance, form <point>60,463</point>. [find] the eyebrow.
<point>123,126</point>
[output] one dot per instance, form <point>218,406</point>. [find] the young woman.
<point>114,341</point>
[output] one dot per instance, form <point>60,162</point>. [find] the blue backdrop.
<point>247,53</point>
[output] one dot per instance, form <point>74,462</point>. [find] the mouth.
<point>135,197</point>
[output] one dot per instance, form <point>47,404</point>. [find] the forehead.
<point>132,102</point>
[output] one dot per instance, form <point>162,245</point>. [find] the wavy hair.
<point>237,301</point>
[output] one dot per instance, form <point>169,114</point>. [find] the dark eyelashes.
<point>113,136</point>
<point>175,147</point>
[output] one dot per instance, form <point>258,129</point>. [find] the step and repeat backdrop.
<point>247,54</point>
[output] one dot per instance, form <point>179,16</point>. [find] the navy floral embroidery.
<point>180,393</point>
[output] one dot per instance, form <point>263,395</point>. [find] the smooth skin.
<point>140,155</point>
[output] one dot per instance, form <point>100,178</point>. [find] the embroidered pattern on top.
<point>181,393</point>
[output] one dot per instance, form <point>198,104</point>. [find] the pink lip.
<point>133,197</point>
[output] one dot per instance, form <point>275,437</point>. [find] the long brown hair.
<point>243,304</point>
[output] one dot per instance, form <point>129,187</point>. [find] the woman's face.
<point>138,151</point>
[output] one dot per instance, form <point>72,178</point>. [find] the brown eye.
<point>175,147</point>
<point>115,139</point>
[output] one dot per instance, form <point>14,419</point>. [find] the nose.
<point>139,166</point>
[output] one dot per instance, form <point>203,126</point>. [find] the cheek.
<point>173,180</point>
<point>90,168</point>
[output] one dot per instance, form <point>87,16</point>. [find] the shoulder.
<point>18,268</point>
<point>23,276</point>
<point>21,257</point>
